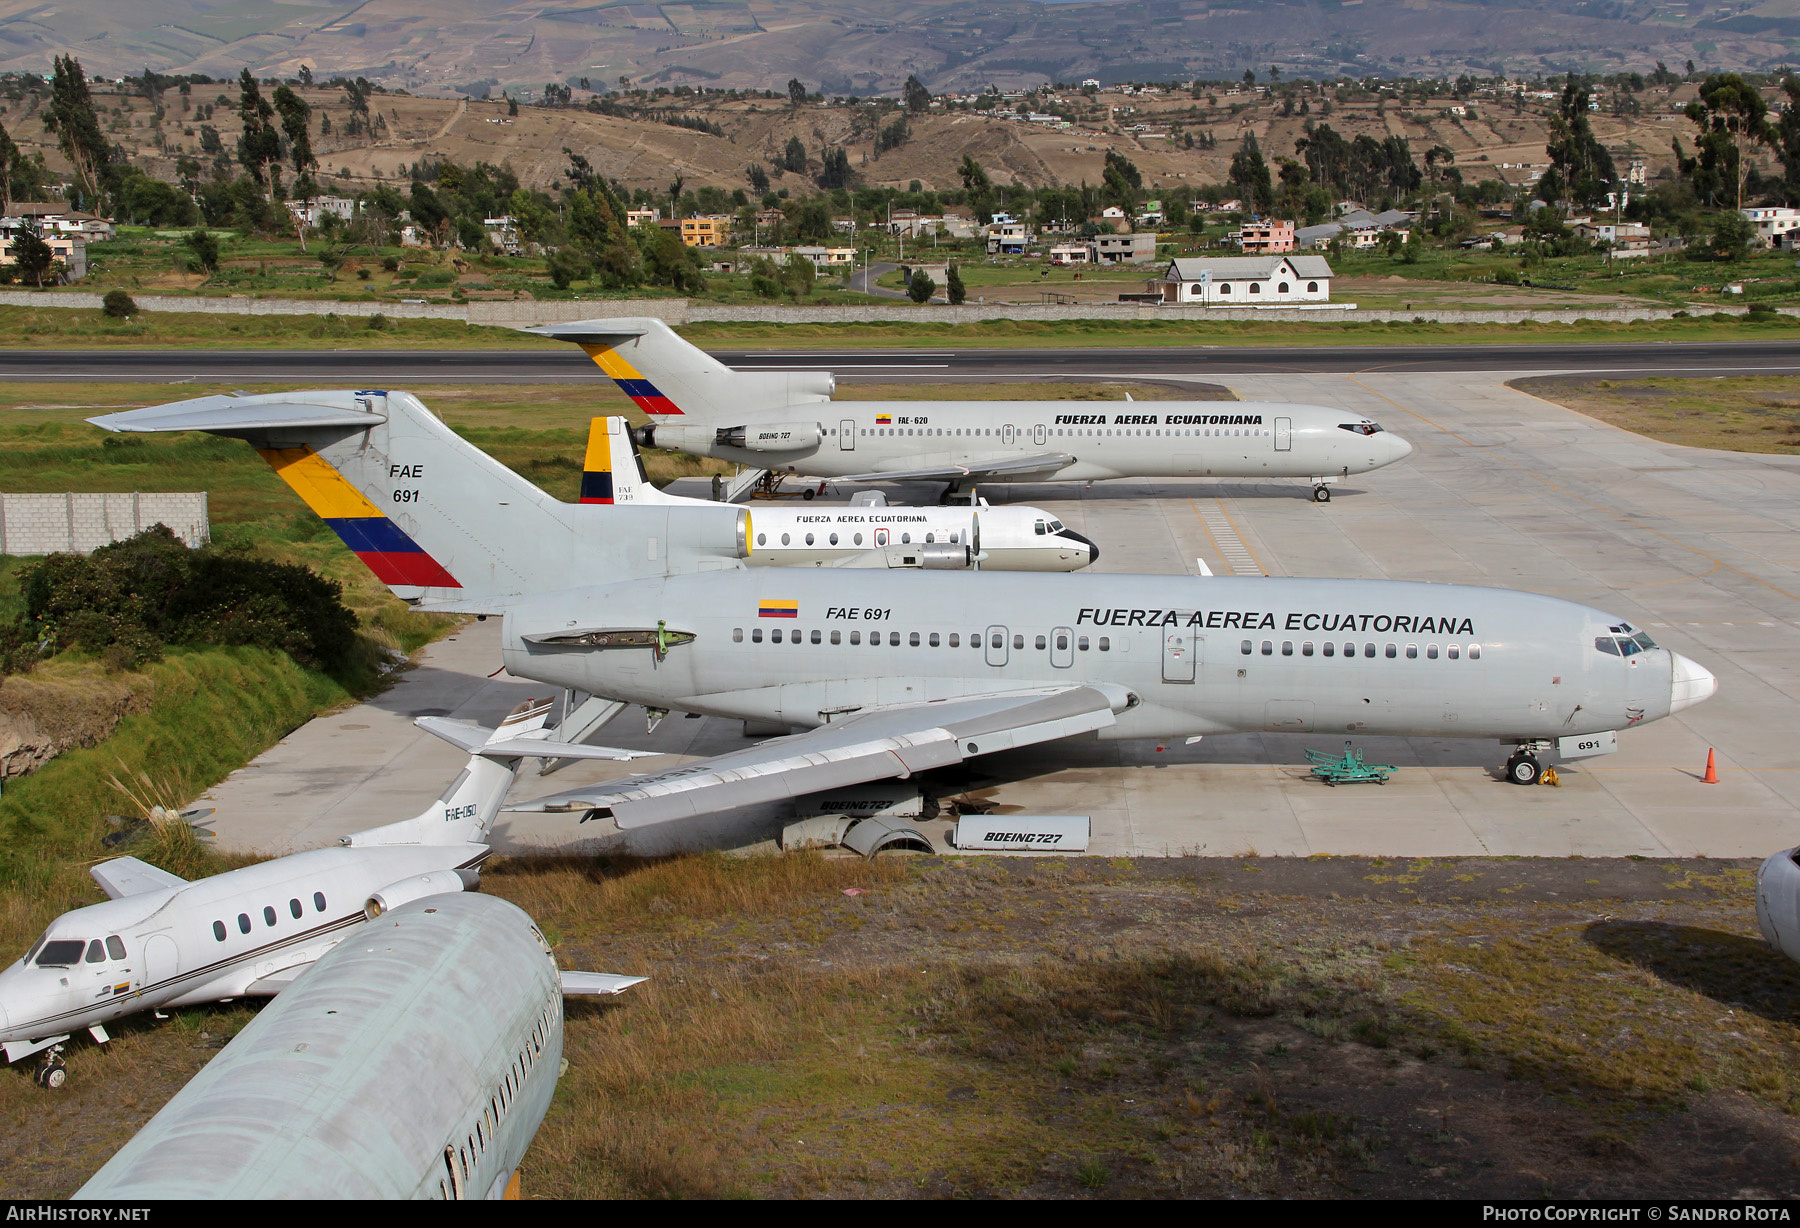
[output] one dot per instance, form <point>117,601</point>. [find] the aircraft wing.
<point>583,983</point>
<point>477,741</point>
<point>123,876</point>
<point>874,744</point>
<point>1001,466</point>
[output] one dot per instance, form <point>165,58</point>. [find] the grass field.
<point>1085,1028</point>
<point>1753,413</point>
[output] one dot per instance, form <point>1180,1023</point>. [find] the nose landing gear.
<point>1321,494</point>
<point>1522,768</point>
<point>51,1073</point>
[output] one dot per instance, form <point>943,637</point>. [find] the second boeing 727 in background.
<point>784,423</point>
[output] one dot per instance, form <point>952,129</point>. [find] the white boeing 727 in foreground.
<point>869,533</point>
<point>892,672</point>
<point>161,941</point>
<point>786,423</point>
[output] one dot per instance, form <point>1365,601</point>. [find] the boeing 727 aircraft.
<point>869,533</point>
<point>161,941</point>
<point>784,423</point>
<point>888,672</point>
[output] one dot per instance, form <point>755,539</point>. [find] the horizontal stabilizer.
<point>876,744</point>
<point>584,983</point>
<point>1006,466</point>
<point>257,413</point>
<point>590,332</point>
<point>479,741</point>
<point>123,876</point>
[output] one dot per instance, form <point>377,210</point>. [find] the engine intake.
<point>438,882</point>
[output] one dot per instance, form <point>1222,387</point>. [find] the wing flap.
<point>1007,466</point>
<point>874,745</point>
<point>123,876</point>
<point>585,983</point>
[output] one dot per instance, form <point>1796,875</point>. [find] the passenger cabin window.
<point>219,930</point>
<point>243,923</point>
<point>318,901</point>
<point>1474,652</point>
<point>268,915</point>
<point>1246,648</point>
<point>1105,644</point>
<point>1452,652</point>
<point>737,635</point>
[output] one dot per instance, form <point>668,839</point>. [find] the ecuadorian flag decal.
<point>394,557</point>
<point>645,395</point>
<point>776,608</point>
<point>596,469</point>
<point>884,419</point>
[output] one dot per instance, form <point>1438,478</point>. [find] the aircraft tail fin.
<point>464,813</point>
<point>671,380</point>
<point>613,471</point>
<point>435,518</point>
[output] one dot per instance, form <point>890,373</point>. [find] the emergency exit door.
<point>847,435</point>
<point>1006,433</point>
<point>1039,433</point>
<point>1180,648</point>
<point>996,645</point>
<point>1284,434</point>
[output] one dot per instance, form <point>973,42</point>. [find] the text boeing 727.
<point>889,673</point>
<point>784,423</point>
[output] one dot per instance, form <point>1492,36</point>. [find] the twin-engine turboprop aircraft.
<point>785,423</point>
<point>161,941</point>
<point>869,533</point>
<point>889,673</point>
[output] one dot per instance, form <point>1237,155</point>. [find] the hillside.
<point>1493,140</point>
<point>870,46</point>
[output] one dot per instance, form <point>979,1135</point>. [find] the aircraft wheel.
<point>1523,769</point>
<point>52,1075</point>
<point>807,494</point>
<point>1321,494</point>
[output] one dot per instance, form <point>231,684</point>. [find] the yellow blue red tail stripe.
<point>596,469</point>
<point>645,395</point>
<point>394,557</point>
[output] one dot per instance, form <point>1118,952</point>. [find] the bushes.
<point>125,601</point>
<point>118,305</point>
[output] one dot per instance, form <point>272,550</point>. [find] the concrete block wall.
<point>524,314</point>
<point>78,523</point>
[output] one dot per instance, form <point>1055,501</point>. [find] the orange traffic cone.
<point>1712,769</point>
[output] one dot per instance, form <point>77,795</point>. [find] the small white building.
<point>1064,254</point>
<point>1773,222</point>
<point>312,211</point>
<point>503,233</point>
<point>642,217</point>
<point>1248,281</point>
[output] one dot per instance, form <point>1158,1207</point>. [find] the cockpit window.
<point>1360,428</point>
<point>1606,644</point>
<point>96,952</point>
<point>1645,642</point>
<point>115,947</point>
<point>1056,526</point>
<point>1040,528</point>
<point>1631,645</point>
<point>62,953</point>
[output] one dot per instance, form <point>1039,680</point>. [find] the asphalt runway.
<point>1504,489</point>
<point>396,368</point>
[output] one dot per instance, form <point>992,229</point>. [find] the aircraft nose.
<point>1691,683</point>
<point>1398,448</point>
<point>1092,549</point>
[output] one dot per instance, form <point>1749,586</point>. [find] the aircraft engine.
<point>1778,902</point>
<point>776,437</point>
<point>945,556</point>
<point>438,882</point>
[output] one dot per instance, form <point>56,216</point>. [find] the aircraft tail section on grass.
<point>670,379</point>
<point>436,519</point>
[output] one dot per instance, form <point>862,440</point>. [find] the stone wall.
<point>78,523</point>
<point>524,314</point>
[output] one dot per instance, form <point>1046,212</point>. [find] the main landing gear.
<point>1522,768</point>
<point>1321,494</point>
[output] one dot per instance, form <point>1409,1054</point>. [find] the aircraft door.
<point>162,959</point>
<point>1180,650</point>
<point>1006,433</point>
<point>996,644</point>
<point>1039,433</point>
<point>847,435</point>
<point>1284,434</point>
<point>1062,647</point>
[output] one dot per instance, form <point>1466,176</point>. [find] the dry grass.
<point>1753,413</point>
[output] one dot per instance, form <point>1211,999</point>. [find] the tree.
<point>1250,78</point>
<point>916,96</point>
<point>796,93</point>
<point>32,255</point>
<point>1731,115</point>
<point>758,176</point>
<point>294,114</point>
<point>259,147</point>
<point>1732,235</point>
<point>1787,139</point>
<point>793,158</point>
<point>920,287</point>
<point>512,105</point>
<point>1121,182</point>
<point>1249,176</point>
<point>70,115</point>
<point>978,188</point>
<point>205,248</point>
<point>954,288</point>
<point>836,172</point>
<point>10,158</point>
<point>306,77</point>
